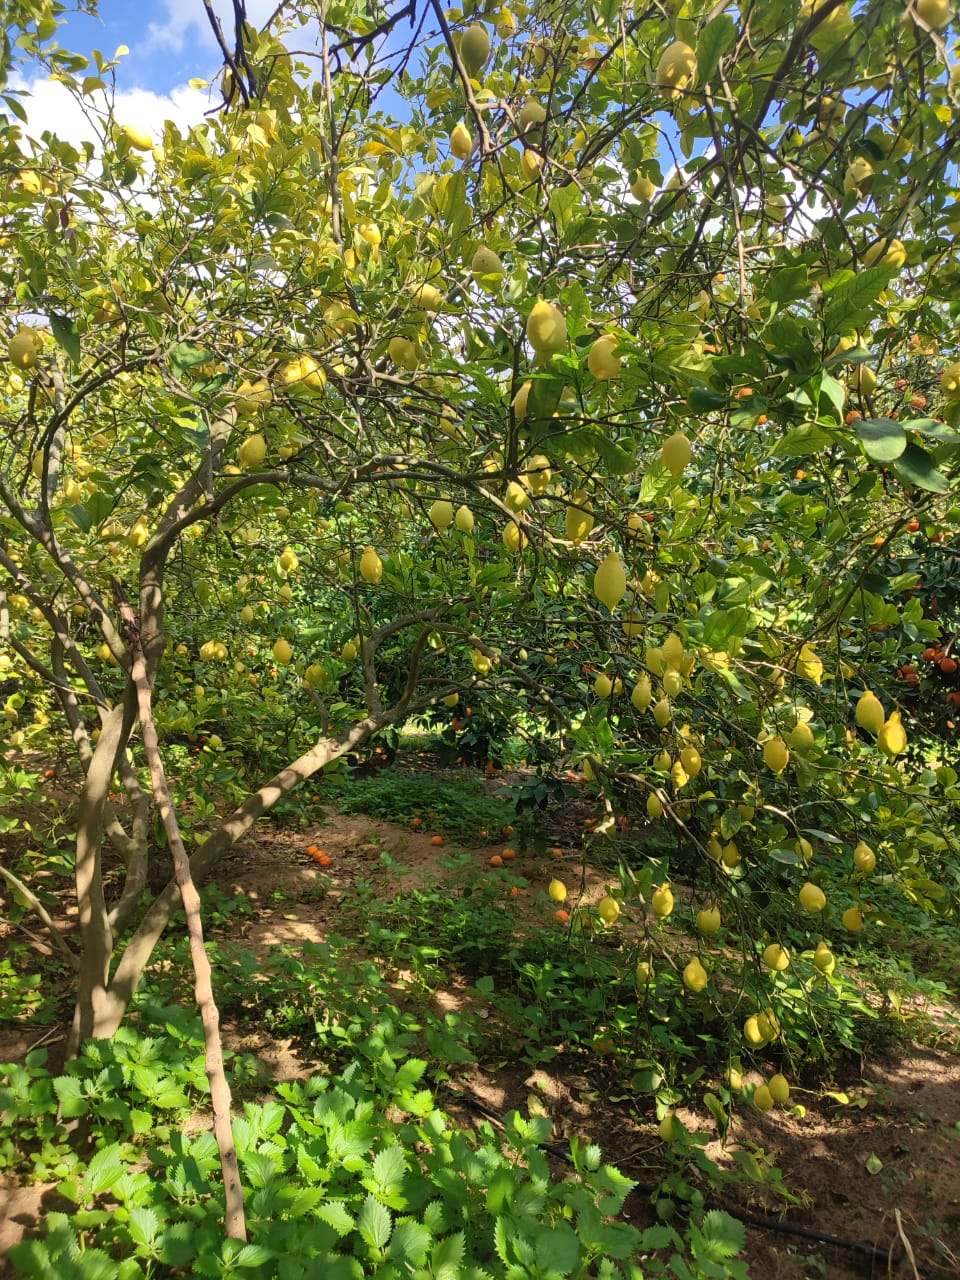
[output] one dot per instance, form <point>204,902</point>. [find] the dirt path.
<point>901,1117</point>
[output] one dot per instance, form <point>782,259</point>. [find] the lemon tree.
<point>580,344</point>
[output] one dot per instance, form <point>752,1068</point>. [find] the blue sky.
<point>170,41</point>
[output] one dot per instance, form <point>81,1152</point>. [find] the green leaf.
<point>915,466</point>
<point>717,38</point>
<point>786,284</point>
<point>375,1224</point>
<point>447,1257</point>
<point>144,1226</point>
<point>386,1176</point>
<point>730,823</point>
<point>185,355</point>
<point>103,1171</point>
<point>334,1213</point>
<point>850,302</point>
<point>703,400</point>
<point>724,623</point>
<point>66,333</point>
<point>411,1240</point>
<point>809,438</point>
<point>409,1074</point>
<point>724,1235</point>
<point>543,399</point>
<point>882,438</point>
<point>936,430</point>
<point>558,1249</point>
<point>70,1095</point>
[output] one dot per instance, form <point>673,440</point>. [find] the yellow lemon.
<point>403,353</point>
<point>676,453</point>
<point>676,69</point>
<point>475,47</point>
<point>371,566</point>
<point>608,909</point>
<point>864,859</point>
<point>708,920</point>
<point>24,347</point>
<point>824,958</point>
<point>695,976</point>
<point>610,581</point>
<point>779,1089</point>
<point>440,514</point>
<point>812,898</point>
<point>762,1098</point>
<point>546,329</point>
<point>601,361</point>
<point>776,755</point>
<point>252,452</point>
<point>662,901</point>
<point>853,919</point>
<point>461,142</point>
<point>464,520</point>
<point>869,712</point>
<point>578,519</point>
<point>642,694</point>
<point>892,738</point>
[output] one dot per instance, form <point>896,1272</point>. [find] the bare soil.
<point>901,1116</point>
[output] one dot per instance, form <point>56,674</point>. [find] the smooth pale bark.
<point>234,1220</point>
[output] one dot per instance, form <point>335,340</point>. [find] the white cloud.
<point>186,23</point>
<point>52,107</point>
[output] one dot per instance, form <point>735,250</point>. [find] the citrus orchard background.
<point>596,369</point>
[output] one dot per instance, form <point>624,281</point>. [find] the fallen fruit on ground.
<point>779,1089</point>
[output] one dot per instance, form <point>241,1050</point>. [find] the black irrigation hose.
<point>871,1251</point>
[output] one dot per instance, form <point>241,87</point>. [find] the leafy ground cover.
<point>410,997</point>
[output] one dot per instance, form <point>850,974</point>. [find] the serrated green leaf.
<point>70,1095</point>
<point>447,1257</point>
<point>725,1235</point>
<point>558,1249</point>
<point>103,1171</point>
<point>334,1213</point>
<point>144,1226</point>
<point>386,1175</point>
<point>375,1223</point>
<point>411,1241</point>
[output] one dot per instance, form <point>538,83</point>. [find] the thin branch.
<point>36,905</point>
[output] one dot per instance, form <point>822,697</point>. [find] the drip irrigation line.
<point>870,1251</point>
